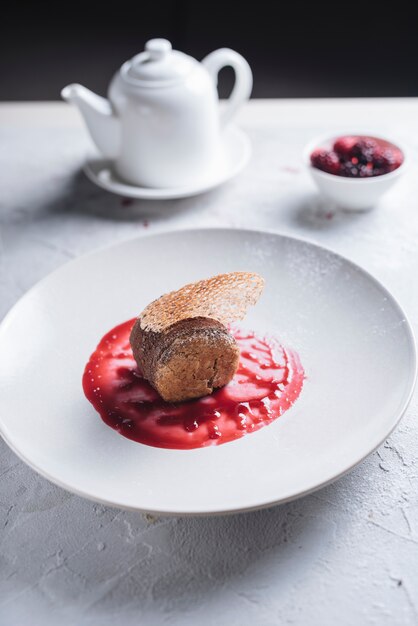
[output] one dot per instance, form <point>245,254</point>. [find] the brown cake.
<point>180,341</point>
<point>189,359</point>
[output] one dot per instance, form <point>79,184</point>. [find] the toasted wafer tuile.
<point>225,298</point>
<point>180,341</point>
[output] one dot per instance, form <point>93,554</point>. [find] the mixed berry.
<point>358,157</point>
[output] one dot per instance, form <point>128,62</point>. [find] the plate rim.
<point>229,511</point>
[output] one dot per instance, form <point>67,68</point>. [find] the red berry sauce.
<point>358,157</point>
<point>268,381</point>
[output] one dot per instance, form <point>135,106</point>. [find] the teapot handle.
<point>241,91</point>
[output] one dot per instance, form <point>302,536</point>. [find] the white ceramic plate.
<point>237,151</point>
<point>353,339</point>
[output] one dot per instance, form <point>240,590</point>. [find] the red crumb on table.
<point>290,169</point>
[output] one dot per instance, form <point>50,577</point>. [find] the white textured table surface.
<point>347,554</point>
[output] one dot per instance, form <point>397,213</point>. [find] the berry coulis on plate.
<point>357,156</point>
<point>268,381</point>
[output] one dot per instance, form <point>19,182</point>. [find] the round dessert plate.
<point>236,151</point>
<point>354,341</point>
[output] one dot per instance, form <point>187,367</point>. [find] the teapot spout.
<point>98,114</point>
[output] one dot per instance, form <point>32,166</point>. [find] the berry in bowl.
<point>354,170</point>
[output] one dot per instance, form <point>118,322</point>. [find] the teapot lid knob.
<point>158,48</point>
<point>158,65</point>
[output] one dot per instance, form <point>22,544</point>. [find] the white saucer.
<point>354,341</point>
<point>237,151</point>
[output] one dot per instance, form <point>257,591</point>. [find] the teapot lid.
<point>158,65</point>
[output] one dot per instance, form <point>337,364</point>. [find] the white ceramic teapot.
<point>162,123</point>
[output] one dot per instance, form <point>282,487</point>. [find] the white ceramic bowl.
<point>355,194</point>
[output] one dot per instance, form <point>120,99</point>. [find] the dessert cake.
<point>181,342</point>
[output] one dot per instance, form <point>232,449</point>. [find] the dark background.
<point>296,49</point>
